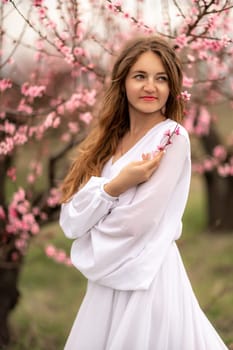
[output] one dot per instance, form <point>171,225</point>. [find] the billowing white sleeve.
<point>152,198</point>
<point>125,248</point>
<point>86,208</point>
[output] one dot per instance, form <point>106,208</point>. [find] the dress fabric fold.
<point>138,294</point>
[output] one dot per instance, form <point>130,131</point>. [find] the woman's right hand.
<point>133,174</point>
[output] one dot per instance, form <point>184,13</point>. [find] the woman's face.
<point>146,85</point>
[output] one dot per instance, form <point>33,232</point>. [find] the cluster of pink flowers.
<point>185,96</point>
<point>181,40</point>
<point>65,50</point>
<point>11,173</point>
<point>19,138</point>
<point>198,125</point>
<point>54,197</point>
<point>21,222</point>
<point>216,162</point>
<point>5,84</point>
<point>187,82</point>
<point>116,7</point>
<point>32,91</point>
<point>58,255</point>
<point>168,134</point>
<point>7,127</point>
<point>81,98</point>
<point>166,141</point>
<point>21,135</point>
<point>35,171</point>
<point>24,107</point>
<point>52,120</point>
<point>20,216</point>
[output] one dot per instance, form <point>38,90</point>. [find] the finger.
<point>154,163</point>
<point>159,153</point>
<point>146,156</point>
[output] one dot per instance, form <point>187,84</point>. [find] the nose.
<point>149,85</point>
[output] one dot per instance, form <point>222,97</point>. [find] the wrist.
<point>114,188</point>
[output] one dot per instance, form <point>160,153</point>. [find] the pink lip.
<point>149,98</point>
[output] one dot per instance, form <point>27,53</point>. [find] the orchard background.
<point>55,57</point>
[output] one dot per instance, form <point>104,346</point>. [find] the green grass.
<point>51,293</point>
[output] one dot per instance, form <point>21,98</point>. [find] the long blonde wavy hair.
<point>113,122</point>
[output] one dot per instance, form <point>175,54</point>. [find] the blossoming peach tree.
<point>54,66</point>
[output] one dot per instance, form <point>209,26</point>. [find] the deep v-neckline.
<point>138,142</point>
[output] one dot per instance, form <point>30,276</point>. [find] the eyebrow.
<point>143,72</point>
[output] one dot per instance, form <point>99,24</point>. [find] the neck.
<point>143,123</point>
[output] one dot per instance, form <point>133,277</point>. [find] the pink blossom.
<point>198,168</point>
<point>43,216</point>
<point>58,255</point>
<point>31,178</point>
<point>42,12</point>
<point>78,51</point>
<point>86,117</point>
<point>20,244</point>
<point>50,251</point>
<point>208,165</point>
<point>56,122</point>
<point>126,15</point>
<point>24,107</point>
<point>19,195</point>
<point>73,127</point>
<point>202,55</point>
<point>109,6</point>
<point>168,134</point>
<point>35,229</point>
<point>191,58</point>
<point>219,152</point>
<point>224,170</point>
<point>50,24</point>
<point>89,96</point>
<point>38,2</point>
<point>73,103</point>
<point>5,84</point>
<point>185,95</point>
<point>11,173</point>
<point>160,148</point>
<point>33,90</point>
<point>203,123</point>
<point>49,120</point>
<point>9,128</point>
<point>66,137</point>
<point>187,82</point>
<point>54,197</point>
<point>23,207</point>
<point>6,146</point>
<point>182,40</point>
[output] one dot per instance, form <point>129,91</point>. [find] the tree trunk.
<point>9,296</point>
<point>219,202</point>
<point>219,190</point>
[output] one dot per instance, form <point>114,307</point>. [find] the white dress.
<point>138,294</point>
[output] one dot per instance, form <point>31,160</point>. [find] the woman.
<point>123,202</point>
